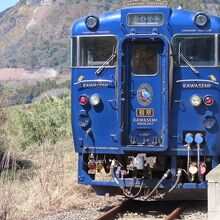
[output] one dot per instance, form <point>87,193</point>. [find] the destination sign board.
<point>145,19</point>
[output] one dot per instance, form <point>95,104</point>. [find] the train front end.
<point>145,97</point>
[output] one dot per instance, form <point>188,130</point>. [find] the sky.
<point>4,4</point>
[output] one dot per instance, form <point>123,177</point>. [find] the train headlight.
<point>95,100</point>
<point>196,100</point>
<point>92,22</point>
<point>201,19</point>
<point>208,100</point>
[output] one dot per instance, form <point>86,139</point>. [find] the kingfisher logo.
<point>144,94</point>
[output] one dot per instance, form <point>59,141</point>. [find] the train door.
<point>144,93</point>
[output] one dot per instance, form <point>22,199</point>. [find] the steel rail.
<point>176,212</point>
<point>109,215</point>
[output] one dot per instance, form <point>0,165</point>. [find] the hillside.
<point>35,33</point>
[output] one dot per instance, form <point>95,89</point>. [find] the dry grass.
<point>50,187</point>
<point>7,202</point>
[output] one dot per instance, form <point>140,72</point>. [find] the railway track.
<point>170,210</point>
<point>111,214</point>
<point>177,211</point>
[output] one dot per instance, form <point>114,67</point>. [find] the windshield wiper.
<point>188,63</point>
<point>106,63</point>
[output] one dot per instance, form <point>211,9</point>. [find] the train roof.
<point>178,21</point>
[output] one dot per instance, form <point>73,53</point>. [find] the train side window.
<point>144,58</point>
<point>74,52</point>
<point>94,51</point>
<point>198,50</point>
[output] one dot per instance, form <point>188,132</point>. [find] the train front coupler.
<point>136,187</point>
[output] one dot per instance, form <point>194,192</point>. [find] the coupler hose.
<point>178,175</point>
<point>134,196</point>
<point>130,196</point>
<point>158,184</point>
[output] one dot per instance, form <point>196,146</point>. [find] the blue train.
<point>145,100</point>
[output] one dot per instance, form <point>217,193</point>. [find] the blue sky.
<point>4,4</point>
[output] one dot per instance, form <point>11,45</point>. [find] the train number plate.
<point>144,112</point>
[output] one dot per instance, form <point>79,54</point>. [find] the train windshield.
<point>198,50</point>
<point>94,51</point>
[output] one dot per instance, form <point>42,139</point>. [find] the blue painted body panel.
<point>193,117</point>
<point>108,120</point>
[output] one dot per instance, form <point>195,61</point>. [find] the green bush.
<point>48,120</point>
